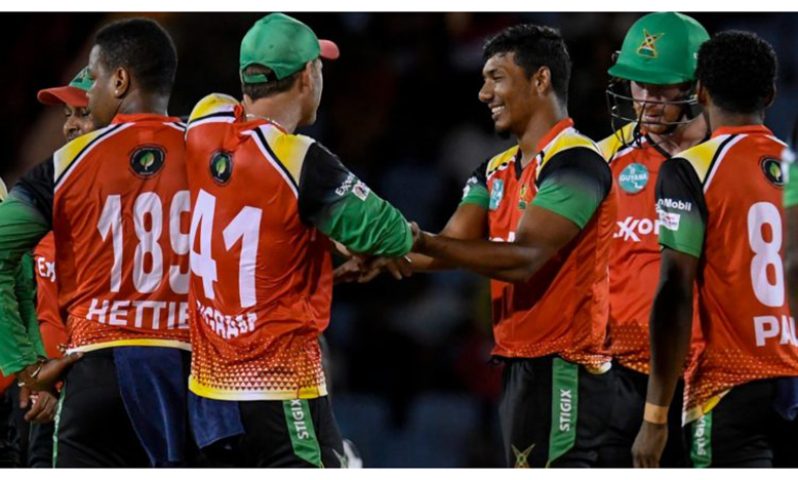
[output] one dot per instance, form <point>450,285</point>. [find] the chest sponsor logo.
<point>774,174</point>
<point>45,269</point>
<point>633,178</point>
<point>496,193</point>
<point>147,161</point>
<point>631,229</point>
<point>221,167</point>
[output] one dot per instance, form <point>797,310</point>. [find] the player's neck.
<point>137,103</point>
<point>684,137</point>
<point>538,126</point>
<point>719,118</point>
<point>277,109</point>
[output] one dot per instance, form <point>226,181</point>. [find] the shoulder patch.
<point>702,155</point>
<point>68,155</point>
<point>290,150</point>
<point>213,105</point>
<point>500,161</point>
<point>617,141</point>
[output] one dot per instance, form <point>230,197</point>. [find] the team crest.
<point>221,167</point>
<point>147,161</point>
<point>649,46</point>
<point>496,193</point>
<point>522,457</point>
<point>771,167</point>
<point>633,178</point>
<point>525,197</point>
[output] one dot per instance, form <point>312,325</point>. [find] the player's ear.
<point>306,77</point>
<point>701,93</point>
<point>541,80</point>
<point>121,82</point>
<point>771,97</point>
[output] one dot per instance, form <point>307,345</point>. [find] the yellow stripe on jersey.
<point>700,156</point>
<point>211,104</point>
<point>244,395</point>
<point>289,149</point>
<point>566,141</point>
<point>3,190</point>
<point>615,142</point>
<point>133,342</point>
<point>67,154</point>
<point>501,159</point>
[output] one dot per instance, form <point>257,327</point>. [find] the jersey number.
<point>146,206</point>
<point>766,253</point>
<point>245,227</point>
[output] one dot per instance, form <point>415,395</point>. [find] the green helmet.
<point>661,49</point>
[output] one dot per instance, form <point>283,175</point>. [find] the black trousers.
<point>553,413</point>
<point>744,430</point>
<point>282,433</point>
<point>93,428</point>
<point>626,416</point>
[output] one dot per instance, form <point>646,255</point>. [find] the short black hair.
<point>738,69</point>
<point>267,89</point>
<point>145,48</point>
<point>535,46</point>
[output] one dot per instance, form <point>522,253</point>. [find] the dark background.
<point>412,385</point>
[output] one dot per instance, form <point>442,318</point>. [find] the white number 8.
<point>767,253</point>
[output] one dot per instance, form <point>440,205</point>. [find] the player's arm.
<point>791,237</point>
<point>682,216</point>
<point>22,225</point>
<point>345,209</point>
<point>571,187</point>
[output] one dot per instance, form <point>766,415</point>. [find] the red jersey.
<point>121,220</point>
<point>721,201</point>
<point>261,283</point>
<point>51,324</point>
<point>563,308</point>
<point>634,249</point>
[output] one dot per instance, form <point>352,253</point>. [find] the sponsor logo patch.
<point>633,178</point>
<point>631,229</point>
<point>496,193</point>
<point>771,167</point>
<point>674,204</point>
<point>146,161</point>
<point>221,167</point>
<point>669,220</point>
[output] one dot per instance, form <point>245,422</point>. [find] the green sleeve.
<point>475,191</point>
<point>573,184</point>
<point>345,209</point>
<point>21,228</point>
<point>791,189</point>
<point>681,208</point>
<point>26,296</point>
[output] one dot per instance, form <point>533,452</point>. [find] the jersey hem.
<point>140,342</point>
<point>205,391</point>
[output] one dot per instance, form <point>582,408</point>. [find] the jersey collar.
<point>760,129</point>
<point>557,129</point>
<point>140,117</point>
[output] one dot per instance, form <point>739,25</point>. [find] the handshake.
<point>363,268</point>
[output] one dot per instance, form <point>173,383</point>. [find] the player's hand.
<point>649,445</point>
<point>42,405</point>
<point>42,377</point>
<point>398,267</point>
<point>349,271</point>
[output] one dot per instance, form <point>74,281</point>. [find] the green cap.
<point>661,49</point>
<point>283,45</point>
<point>73,94</point>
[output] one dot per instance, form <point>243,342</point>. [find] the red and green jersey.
<point>721,202</point>
<point>265,202</point>
<point>563,309</point>
<point>634,250</point>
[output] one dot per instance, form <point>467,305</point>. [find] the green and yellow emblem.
<point>147,161</point>
<point>221,167</point>
<point>649,46</point>
<point>771,167</point>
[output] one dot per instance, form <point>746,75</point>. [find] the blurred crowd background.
<point>412,381</point>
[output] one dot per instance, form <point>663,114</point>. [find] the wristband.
<point>655,414</point>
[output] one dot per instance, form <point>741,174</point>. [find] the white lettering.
<point>225,326</point>
<point>100,312</point>
<point>119,317</point>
